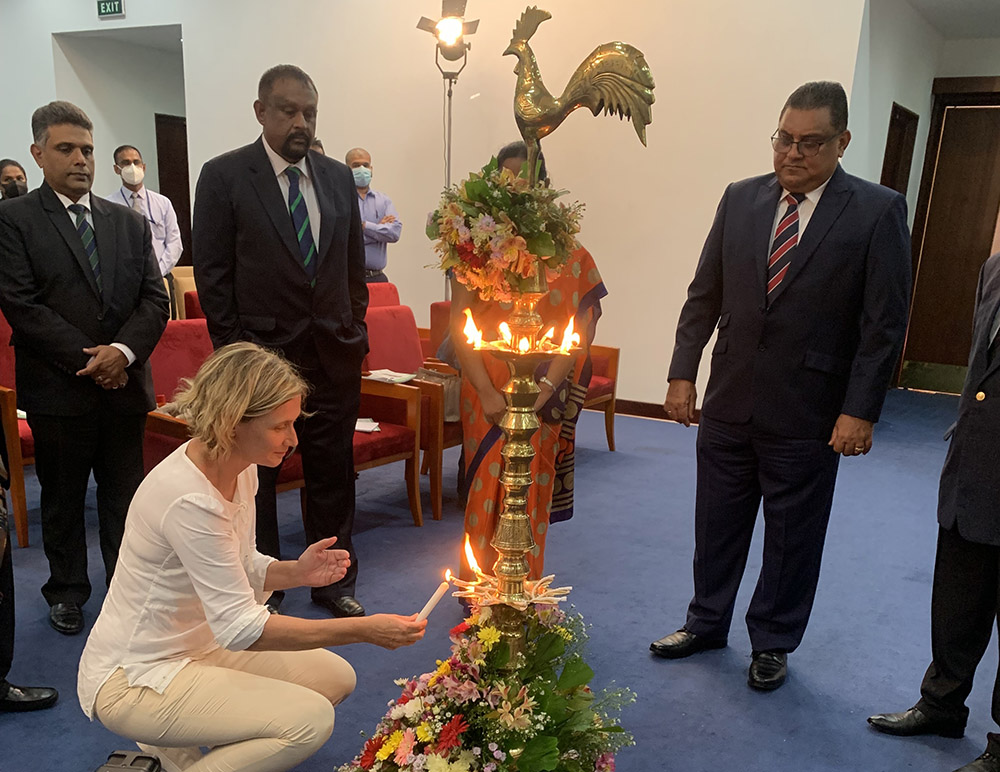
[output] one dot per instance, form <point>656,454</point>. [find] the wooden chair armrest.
<point>424,332</point>
<point>402,391</point>
<point>161,423</point>
<point>8,417</point>
<point>611,354</point>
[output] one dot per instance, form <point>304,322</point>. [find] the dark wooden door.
<point>953,235</point>
<point>172,166</point>
<point>899,148</point>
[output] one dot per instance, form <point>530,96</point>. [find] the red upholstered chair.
<point>394,344</point>
<point>440,319</point>
<point>192,307</point>
<point>17,435</point>
<point>382,293</point>
<point>604,387</point>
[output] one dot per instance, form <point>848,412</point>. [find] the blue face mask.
<point>362,176</point>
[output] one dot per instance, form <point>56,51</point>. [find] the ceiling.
<point>165,38</point>
<point>957,19</point>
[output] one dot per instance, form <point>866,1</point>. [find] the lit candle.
<point>438,594</point>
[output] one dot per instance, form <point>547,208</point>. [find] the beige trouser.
<point>257,711</point>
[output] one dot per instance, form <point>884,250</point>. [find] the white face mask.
<point>133,174</point>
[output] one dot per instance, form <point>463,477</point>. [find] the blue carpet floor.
<point>628,554</point>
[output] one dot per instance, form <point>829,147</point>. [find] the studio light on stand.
<point>450,30</point>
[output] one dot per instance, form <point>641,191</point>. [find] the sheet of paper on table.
<point>390,376</point>
<point>366,425</point>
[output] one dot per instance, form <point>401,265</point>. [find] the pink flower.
<point>605,763</point>
<point>405,747</point>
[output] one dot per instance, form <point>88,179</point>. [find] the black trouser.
<point>964,605</point>
<point>6,604</point>
<point>737,466</point>
<point>67,449</point>
<point>326,442</point>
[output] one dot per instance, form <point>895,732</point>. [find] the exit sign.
<point>110,8</point>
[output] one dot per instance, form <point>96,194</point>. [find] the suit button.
<point>762,347</point>
<point>100,317</point>
<point>980,396</point>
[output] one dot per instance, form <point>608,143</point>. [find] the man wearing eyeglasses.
<point>156,208</point>
<point>806,276</point>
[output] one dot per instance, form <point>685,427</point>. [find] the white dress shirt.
<point>84,201</point>
<point>306,187</point>
<point>806,209</point>
<point>189,580</point>
<point>162,219</point>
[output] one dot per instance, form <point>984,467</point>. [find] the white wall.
<point>970,58</point>
<point>899,56</point>
<point>120,86</point>
<point>723,70</point>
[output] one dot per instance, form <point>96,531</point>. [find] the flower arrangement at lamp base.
<point>480,712</point>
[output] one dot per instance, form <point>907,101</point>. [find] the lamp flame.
<point>505,333</point>
<point>570,338</point>
<point>550,334</point>
<point>472,333</point>
<point>447,575</point>
<point>523,346</point>
<point>470,556</point>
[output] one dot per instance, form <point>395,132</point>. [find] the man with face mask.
<point>13,180</point>
<point>378,216</point>
<point>279,261</point>
<point>157,209</point>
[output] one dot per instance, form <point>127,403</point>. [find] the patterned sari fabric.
<point>577,292</point>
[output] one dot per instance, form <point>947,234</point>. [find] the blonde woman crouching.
<point>184,654</point>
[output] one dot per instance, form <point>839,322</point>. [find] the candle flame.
<point>505,333</point>
<point>447,575</point>
<point>472,333</point>
<point>570,338</point>
<point>550,334</point>
<point>470,556</point>
<point>523,346</point>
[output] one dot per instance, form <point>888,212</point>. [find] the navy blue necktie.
<point>786,236</point>
<point>89,241</point>
<point>300,220</point>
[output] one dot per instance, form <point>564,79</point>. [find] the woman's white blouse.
<point>189,580</point>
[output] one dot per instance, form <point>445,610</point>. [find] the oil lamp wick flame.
<point>472,333</point>
<point>470,556</point>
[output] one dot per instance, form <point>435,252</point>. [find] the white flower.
<point>413,708</point>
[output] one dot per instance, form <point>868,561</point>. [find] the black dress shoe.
<point>66,618</point>
<point>18,699</point>
<point>768,670</point>
<point>683,644</point>
<point>985,763</point>
<point>344,606</point>
<point>912,722</point>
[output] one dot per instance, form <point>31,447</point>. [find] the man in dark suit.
<point>82,292</point>
<point>966,597</point>
<point>806,273</point>
<point>13,699</point>
<point>279,260</point>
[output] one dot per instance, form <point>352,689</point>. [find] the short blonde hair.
<point>237,383</point>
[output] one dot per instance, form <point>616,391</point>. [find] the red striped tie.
<point>786,236</point>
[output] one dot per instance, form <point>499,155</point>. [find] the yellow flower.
<point>489,637</point>
<point>436,763</point>
<point>563,632</point>
<point>390,745</point>
<point>424,732</point>
<point>444,667</point>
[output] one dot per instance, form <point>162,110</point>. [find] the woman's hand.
<point>544,395</point>
<point>319,565</point>
<point>390,631</point>
<point>494,405</point>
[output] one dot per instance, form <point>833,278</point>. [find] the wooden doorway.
<point>899,148</point>
<point>172,166</point>
<point>953,231</point>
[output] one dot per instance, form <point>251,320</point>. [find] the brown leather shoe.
<point>684,643</point>
<point>768,670</point>
<point>912,722</point>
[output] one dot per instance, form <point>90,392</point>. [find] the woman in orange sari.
<point>576,293</point>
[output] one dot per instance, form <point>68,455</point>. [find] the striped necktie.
<point>300,220</point>
<point>137,203</point>
<point>786,236</point>
<point>86,233</point>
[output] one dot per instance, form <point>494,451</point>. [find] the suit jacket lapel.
<point>762,216</point>
<point>834,199</point>
<point>989,308</point>
<point>328,213</point>
<point>61,220</point>
<point>107,241</point>
<point>266,184</point>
